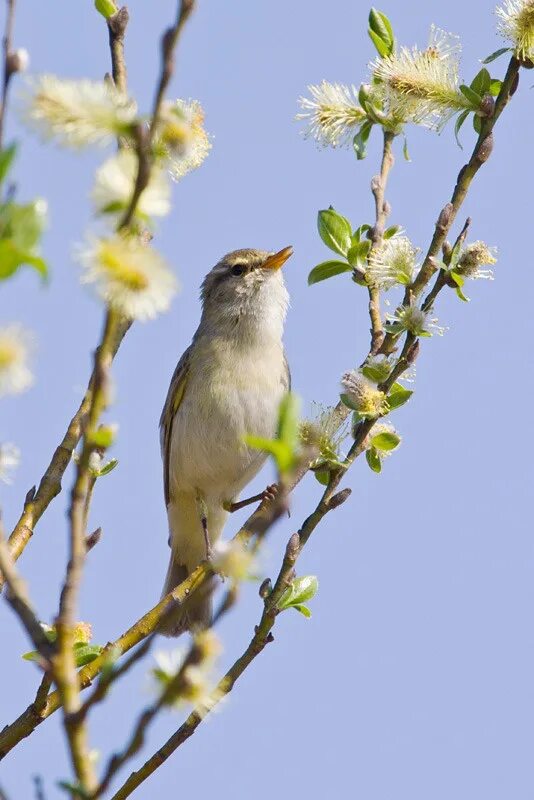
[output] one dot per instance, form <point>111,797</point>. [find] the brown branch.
<point>144,137</point>
<point>9,65</point>
<point>50,485</point>
<point>117,25</point>
<point>378,188</point>
<point>17,598</point>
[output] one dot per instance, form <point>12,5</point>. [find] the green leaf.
<point>459,122</point>
<point>474,98</point>
<point>477,123</point>
<point>481,82</point>
<point>304,610</point>
<point>288,420</point>
<point>334,230</point>
<point>323,476</point>
<point>373,459</point>
<point>106,7</point>
<point>279,450</point>
<point>456,252</point>
<point>85,653</point>
<point>298,592</point>
<point>393,230</point>
<point>358,233</point>
<point>374,374</point>
<point>405,152</point>
<point>381,32</point>
<point>461,295</point>
<point>12,258</point>
<point>327,269</point>
<point>496,54</point>
<point>398,396</point>
<point>103,437</point>
<point>357,255</point>
<point>495,87</point>
<point>385,441</point>
<point>107,468</point>
<point>457,278</point>
<point>23,224</point>
<point>7,156</point>
<point>361,138</point>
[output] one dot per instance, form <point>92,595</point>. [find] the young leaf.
<point>459,122</point>
<point>360,140</point>
<point>496,54</point>
<point>385,441</point>
<point>481,82</point>
<point>106,7</point>
<point>391,231</point>
<point>334,230</point>
<point>304,610</point>
<point>495,87</point>
<point>7,156</point>
<point>405,152</point>
<point>300,591</point>
<point>327,269</point>
<point>474,98</point>
<point>373,459</point>
<point>107,468</point>
<point>322,476</point>
<point>457,278</point>
<point>85,653</point>
<point>381,32</point>
<point>12,258</point>
<point>477,123</point>
<point>461,295</point>
<point>398,396</point>
<point>358,253</point>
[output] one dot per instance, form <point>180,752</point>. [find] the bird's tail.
<point>194,614</point>
<point>188,549</point>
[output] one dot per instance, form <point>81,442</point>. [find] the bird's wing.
<point>286,379</point>
<point>175,396</point>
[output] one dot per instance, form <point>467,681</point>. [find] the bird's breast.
<point>229,392</point>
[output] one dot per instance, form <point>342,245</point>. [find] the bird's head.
<point>247,286</point>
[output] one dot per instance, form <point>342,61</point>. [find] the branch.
<point>117,25</point>
<point>9,65</point>
<point>378,188</point>
<point>18,600</point>
<point>145,138</point>
<point>50,485</point>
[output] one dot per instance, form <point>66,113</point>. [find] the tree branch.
<point>9,69</point>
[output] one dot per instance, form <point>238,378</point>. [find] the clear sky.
<point>413,678</point>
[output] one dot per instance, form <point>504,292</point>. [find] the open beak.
<point>278,260</point>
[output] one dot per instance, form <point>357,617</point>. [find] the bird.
<point>228,383</point>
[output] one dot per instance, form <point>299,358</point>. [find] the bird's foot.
<point>268,495</point>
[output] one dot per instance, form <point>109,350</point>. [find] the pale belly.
<point>222,402</point>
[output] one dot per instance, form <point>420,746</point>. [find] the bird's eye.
<point>238,269</point>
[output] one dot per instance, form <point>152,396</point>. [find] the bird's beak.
<point>278,260</point>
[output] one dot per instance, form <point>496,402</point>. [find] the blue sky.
<point>413,679</point>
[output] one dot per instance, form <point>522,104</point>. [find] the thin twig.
<point>378,188</point>
<point>8,66</point>
<point>17,598</point>
<point>117,25</point>
<point>144,137</point>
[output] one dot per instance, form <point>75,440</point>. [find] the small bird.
<point>228,383</point>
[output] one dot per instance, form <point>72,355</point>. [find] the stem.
<point>378,188</point>
<point>8,68</point>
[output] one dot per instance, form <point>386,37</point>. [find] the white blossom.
<point>473,258</point>
<point>363,394</point>
<point>414,320</point>
<point>9,461</point>
<point>129,276</point>
<point>114,184</point>
<point>77,113</point>
<point>16,345</point>
<point>422,86</point>
<point>181,137</point>
<point>516,25</point>
<point>393,263</point>
<point>332,113</point>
